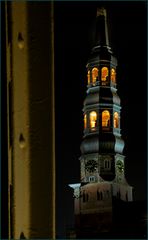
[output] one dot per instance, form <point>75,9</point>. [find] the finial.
<point>101,12</point>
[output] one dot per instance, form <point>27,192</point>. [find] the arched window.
<point>104,73</point>
<point>85,121</point>
<point>94,74</point>
<point>93,119</point>
<point>105,118</point>
<point>113,75</point>
<point>116,120</point>
<point>88,77</point>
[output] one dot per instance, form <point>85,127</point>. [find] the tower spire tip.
<point>101,12</point>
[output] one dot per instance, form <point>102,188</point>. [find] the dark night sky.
<point>74,32</point>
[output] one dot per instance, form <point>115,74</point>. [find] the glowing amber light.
<point>88,77</point>
<point>85,121</point>
<point>105,118</point>
<point>113,75</point>
<point>94,74</point>
<point>104,73</point>
<point>116,120</point>
<point>93,119</point>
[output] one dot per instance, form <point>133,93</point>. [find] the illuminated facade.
<point>102,160</point>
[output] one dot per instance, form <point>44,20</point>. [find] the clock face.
<point>120,166</point>
<point>91,165</point>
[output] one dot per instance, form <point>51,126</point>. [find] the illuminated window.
<point>104,73</point>
<point>88,77</point>
<point>116,120</point>
<point>85,121</point>
<point>94,74</point>
<point>105,118</point>
<point>113,75</point>
<point>93,119</point>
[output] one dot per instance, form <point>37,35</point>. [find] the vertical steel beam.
<point>32,155</point>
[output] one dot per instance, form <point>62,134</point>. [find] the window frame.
<point>85,121</point>
<point>117,123</point>
<point>109,120</point>
<point>113,76</point>
<point>88,77</point>
<point>103,79</point>
<point>93,72</point>
<point>90,119</point>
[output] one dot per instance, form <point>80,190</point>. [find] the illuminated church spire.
<point>102,160</point>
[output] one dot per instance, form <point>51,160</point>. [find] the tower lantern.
<point>102,159</point>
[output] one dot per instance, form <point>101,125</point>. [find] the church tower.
<point>102,160</point>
